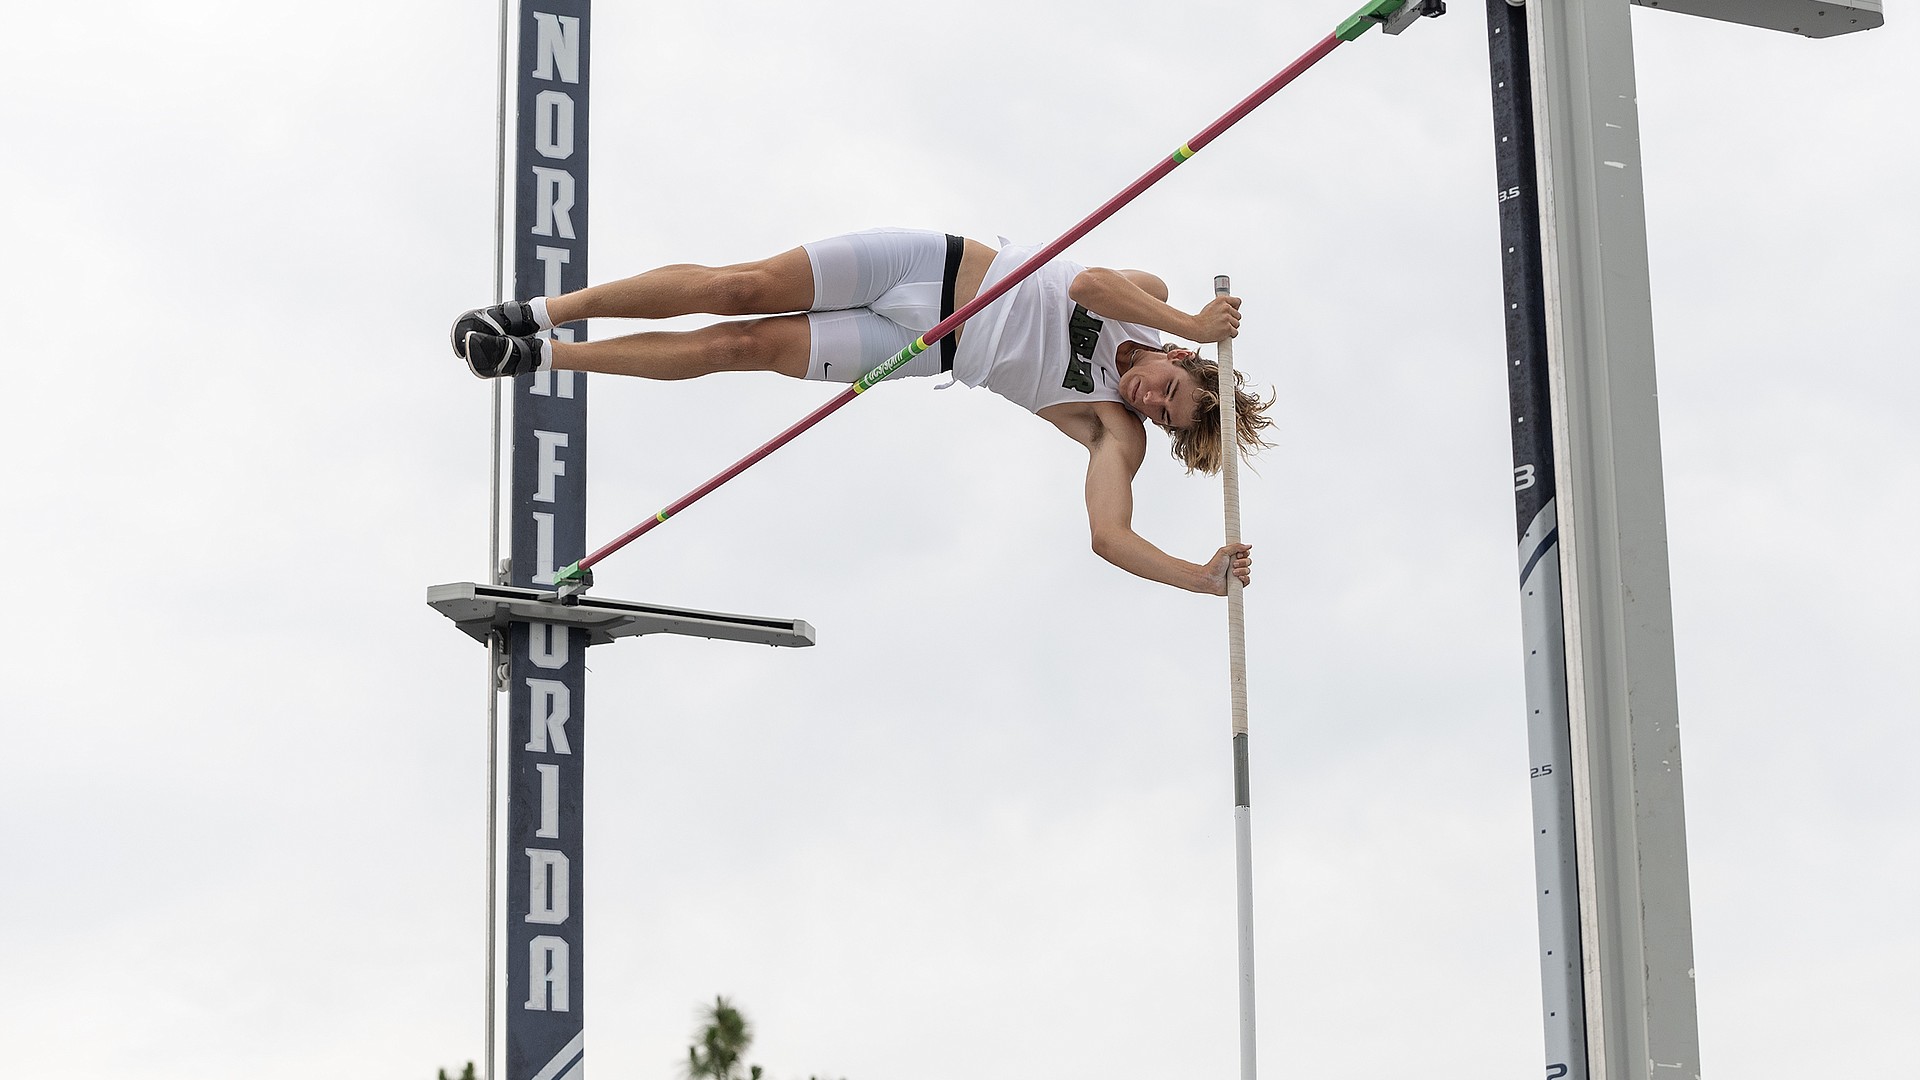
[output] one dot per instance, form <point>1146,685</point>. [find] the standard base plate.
<point>479,610</point>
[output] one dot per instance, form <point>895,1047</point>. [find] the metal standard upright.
<point>1615,913</point>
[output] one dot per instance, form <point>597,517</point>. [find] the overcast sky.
<point>984,827</point>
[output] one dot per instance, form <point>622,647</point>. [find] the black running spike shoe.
<point>494,357</point>
<point>511,319</point>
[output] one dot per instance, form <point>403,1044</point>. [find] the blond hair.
<point>1197,446</point>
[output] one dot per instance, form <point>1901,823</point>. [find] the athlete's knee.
<point>749,345</point>
<point>746,290</point>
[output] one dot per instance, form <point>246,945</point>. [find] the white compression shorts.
<point>874,292</point>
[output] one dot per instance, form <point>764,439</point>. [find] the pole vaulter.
<point>1393,15</point>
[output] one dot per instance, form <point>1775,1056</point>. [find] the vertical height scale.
<point>1550,768</point>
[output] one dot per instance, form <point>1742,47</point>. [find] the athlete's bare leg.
<point>768,287</point>
<point>778,344</point>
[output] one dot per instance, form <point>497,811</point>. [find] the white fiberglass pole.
<point>1237,688</point>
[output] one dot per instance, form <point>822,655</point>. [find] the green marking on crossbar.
<point>1375,11</point>
<point>914,348</point>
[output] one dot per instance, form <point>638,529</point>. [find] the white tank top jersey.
<point>1035,347</point>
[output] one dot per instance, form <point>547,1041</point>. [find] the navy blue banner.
<point>546,745</point>
<point>546,675</point>
<point>550,257</point>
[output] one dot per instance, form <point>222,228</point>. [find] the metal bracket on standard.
<point>1392,15</point>
<point>479,610</point>
<point>497,641</point>
<point>571,583</point>
<point>1411,12</point>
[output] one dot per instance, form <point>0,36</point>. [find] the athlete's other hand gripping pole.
<point>576,578</point>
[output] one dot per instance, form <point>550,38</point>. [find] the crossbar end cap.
<point>1374,11</point>
<point>571,582</point>
<point>1412,12</point>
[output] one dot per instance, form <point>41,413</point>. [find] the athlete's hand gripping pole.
<point>573,579</point>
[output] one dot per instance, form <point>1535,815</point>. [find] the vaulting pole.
<point>1237,687</point>
<point>1374,11</point>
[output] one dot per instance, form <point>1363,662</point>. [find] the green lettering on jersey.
<point>1079,375</point>
<point>1083,333</point>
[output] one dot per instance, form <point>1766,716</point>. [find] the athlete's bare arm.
<point>1136,296</point>
<point>1116,443</point>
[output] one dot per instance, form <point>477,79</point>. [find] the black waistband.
<point>955,248</point>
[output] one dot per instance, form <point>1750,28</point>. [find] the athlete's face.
<point>1160,390</point>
